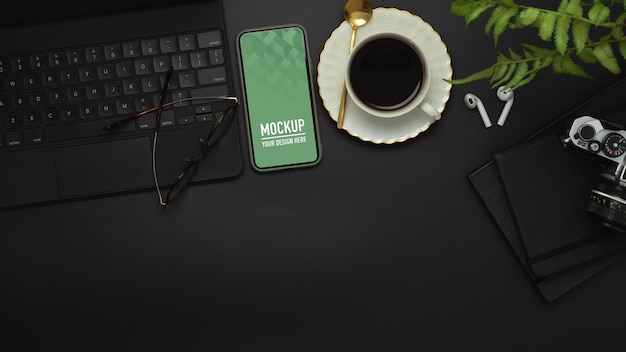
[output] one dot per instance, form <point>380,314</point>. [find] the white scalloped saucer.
<point>331,73</point>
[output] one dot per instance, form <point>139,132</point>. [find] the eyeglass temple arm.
<point>125,120</point>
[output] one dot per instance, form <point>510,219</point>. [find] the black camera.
<point>607,141</point>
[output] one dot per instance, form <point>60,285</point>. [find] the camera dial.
<point>614,145</point>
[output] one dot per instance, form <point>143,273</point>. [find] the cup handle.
<point>430,111</point>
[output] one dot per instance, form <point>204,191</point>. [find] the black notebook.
<point>67,70</point>
<point>537,191</point>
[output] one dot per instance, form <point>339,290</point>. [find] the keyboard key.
<point>212,75</point>
<point>143,66</point>
<point>112,52</point>
<point>187,79</point>
<point>168,118</point>
<point>150,47</point>
<point>95,54</point>
<point>168,45</point>
<point>33,136</point>
<point>208,92</point>
<point>32,80</point>
<point>51,115</point>
<point>12,84</point>
<point>151,84</point>
<point>124,69</point>
<point>161,64</point>
<point>69,76</point>
<point>180,62</point>
<point>185,120</point>
<point>95,91</point>
<point>143,103</point>
<point>13,139</point>
<point>4,104</point>
<point>76,57</point>
<point>131,50</point>
<point>20,101</point>
<point>113,89</point>
<point>216,57</point>
<point>32,118</point>
<point>204,109</point>
<point>199,59</point>
<point>19,64</point>
<point>88,111</point>
<point>125,106</point>
<point>69,113</point>
<point>57,96</point>
<point>38,61</point>
<point>204,118</point>
<point>106,108</point>
<point>131,86</point>
<point>50,79</point>
<point>106,71</point>
<point>13,120</point>
<point>76,94</point>
<point>209,39</point>
<point>38,99</point>
<point>187,42</point>
<point>87,74</point>
<point>57,59</point>
<point>147,121</point>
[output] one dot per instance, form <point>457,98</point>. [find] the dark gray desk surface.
<point>376,249</point>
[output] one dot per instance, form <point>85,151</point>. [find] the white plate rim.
<point>358,123</point>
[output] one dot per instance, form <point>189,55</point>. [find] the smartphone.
<point>278,98</point>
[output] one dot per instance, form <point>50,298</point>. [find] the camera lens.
<point>608,202</point>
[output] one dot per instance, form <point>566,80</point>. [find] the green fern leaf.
<point>484,74</point>
<point>618,31</point>
<point>510,70</point>
<point>599,13</point>
<point>529,16</point>
<point>565,64</point>
<point>574,7</point>
<point>561,34</point>
<point>622,49</point>
<point>604,53</point>
<point>495,16</point>
<point>546,29</point>
<point>537,51</point>
<point>587,56</point>
<point>498,73</point>
<point>519,75</point>
<point>461,8</point>
<point>580,34</point>
<point>501,24</point>
<point>477,12</point>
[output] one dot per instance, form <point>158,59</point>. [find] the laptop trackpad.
<point>118,165</point>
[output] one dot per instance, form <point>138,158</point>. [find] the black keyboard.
<point>72,93</point>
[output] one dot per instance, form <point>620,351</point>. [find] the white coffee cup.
<point>387,75</point>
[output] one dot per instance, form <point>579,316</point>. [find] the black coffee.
<point>386,74</point>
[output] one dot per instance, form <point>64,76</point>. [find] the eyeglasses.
<point>217,130</point>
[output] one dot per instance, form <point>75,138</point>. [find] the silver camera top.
<point>601,138</point>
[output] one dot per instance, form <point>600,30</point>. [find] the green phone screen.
<point>281,118</point>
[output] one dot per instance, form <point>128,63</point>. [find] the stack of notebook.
<point>537,192</point>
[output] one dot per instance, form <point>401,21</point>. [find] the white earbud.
<point>472,102</point>
<point>507,96</point>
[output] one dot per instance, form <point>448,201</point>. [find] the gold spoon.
<point>357,13</point>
